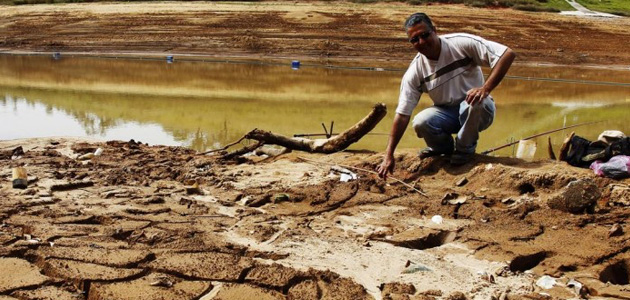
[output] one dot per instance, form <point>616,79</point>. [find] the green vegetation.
<point>617,7</point>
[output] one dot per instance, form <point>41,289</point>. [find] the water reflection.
<point>208,104</point>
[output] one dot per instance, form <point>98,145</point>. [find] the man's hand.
<point>476,95</point>
<point>387,166</point>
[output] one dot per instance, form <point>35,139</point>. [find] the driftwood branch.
<point>242,151</point>
<point>329,145</point>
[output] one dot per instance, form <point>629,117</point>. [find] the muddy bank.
<point>151,220</point>
<point>329,32</point>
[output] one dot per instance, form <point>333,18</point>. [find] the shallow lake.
<point>207,104</point>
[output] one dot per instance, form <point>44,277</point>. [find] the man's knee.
<point>425,124</point>
<point>481,114</point>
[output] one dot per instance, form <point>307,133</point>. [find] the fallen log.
<point>329,145</point>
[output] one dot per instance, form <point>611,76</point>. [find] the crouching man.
<point>448,68</point>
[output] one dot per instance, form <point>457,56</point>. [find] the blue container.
<point>169,59</point>
<point>56,55</point>
<point>295,64</point>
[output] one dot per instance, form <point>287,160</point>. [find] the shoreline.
<point>354,62</point>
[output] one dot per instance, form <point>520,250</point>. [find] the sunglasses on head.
<point>417,38</point>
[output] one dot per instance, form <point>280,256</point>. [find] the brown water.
<point>208,104</point>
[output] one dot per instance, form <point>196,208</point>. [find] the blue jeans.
<point>437,124</point>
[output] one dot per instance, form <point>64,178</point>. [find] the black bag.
<point>583,152</point>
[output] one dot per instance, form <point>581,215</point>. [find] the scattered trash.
<point>580,152</point>
<point>51,244</point>
<point>610,136</point>
<point>437,219</point>
<point>578,288</point>
<point>20,179</point>
<point>17,153</point>
<point>489,167</point>
<point>411,267</point>
<point>485,276</point>
<point>449,196</point>
<point>281,198</point>
<point>98,152</point>
<point>616,167</point>
<point>461,182</point>
<point>526,150</point>
<point>459,200</point>
<point>295,65</point>
<point>345,174</point>
<point>546,282</point>
<point>615,230</point>
<point>162,281</point>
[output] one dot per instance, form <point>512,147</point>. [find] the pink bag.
<point>616,167</point>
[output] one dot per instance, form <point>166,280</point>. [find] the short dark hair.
<point>418,18</point>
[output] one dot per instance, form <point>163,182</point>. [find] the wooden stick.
<point>226,146</point>
<point>537,135</point>
<point>364,170</point>
<point>321,134</point>
<point>243,150</point>
<point>329,145</point>
<point>550,149</point>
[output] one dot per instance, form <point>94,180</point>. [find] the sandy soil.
<point>326,31</point>
<point>149,222</point>
<point>142,222</point>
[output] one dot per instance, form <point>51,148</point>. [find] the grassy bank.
<point>618,7</point>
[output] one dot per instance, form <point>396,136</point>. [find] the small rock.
<point>456,296</point>
<point>615,230</point>
<point>432,293</point>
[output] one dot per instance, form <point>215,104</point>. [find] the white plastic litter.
<point>526,150</point>
<point>347,177</point>
<point>98,152</point>
<point>345,174</point>
<point>611,135</point>
<point>577,287</point>
<point>546,282</point>
<point>413,268</point>
<point>437,219</point>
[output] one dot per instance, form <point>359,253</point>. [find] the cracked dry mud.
<point>282,228</point>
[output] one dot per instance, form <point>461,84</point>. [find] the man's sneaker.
<point>459,158</point>
<point>429,152</point>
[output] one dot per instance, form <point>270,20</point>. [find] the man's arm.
<point>475,95</point>
<point>398,129</point>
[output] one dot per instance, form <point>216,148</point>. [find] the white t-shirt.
<point>457,70</point>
